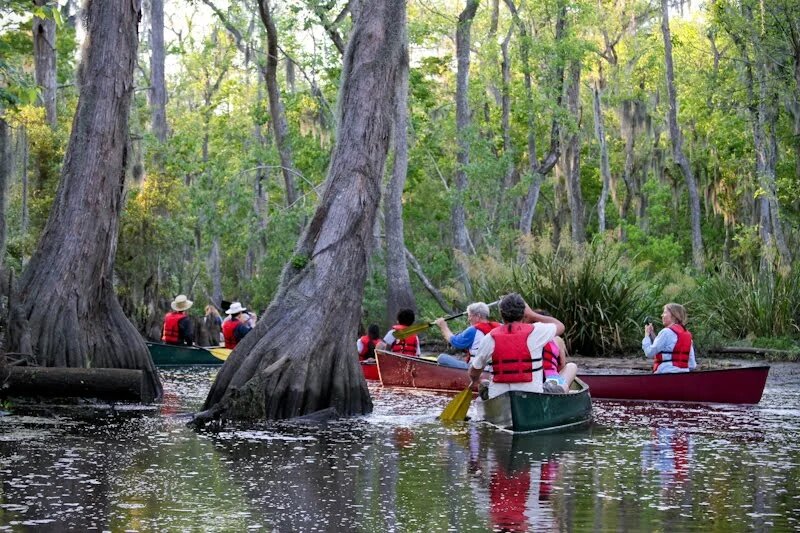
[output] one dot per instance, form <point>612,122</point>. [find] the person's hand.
<point>439,321</point>
<point>380,346</point>
<point>648,330</point>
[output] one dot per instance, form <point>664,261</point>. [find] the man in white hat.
<point>177,324</point>
<point>236,328</point>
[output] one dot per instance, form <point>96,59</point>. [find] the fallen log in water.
<point>112,384</point>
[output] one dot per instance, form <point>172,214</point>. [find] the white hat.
<point>236,307</point>
<point>181,303</point>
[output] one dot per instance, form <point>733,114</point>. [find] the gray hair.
<point>478,309</point>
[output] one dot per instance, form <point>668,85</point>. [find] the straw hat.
<point>236,307</point>
<point>181,303</point>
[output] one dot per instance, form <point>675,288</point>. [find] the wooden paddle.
<point>413,329</point>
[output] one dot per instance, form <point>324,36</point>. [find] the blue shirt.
<point>469,339</point>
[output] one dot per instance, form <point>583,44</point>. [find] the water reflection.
<point>642,467</point>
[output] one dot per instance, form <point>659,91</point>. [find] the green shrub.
<point>600,298</point>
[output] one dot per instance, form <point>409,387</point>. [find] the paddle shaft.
<point>401,334</point>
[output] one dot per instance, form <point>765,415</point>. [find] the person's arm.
<point>692,360</point>
<point>664,342</point>
<point>444,328</point>
<point>464,340</point>
<point>531,316</point>
<point>541,335</point>
<point>362,350</point>
<point>562,352</point>
<point>387,341</point>
<point>241,330</point>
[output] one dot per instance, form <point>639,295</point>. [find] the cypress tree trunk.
<point>158,91</point>
<point>460,235</point>
<point>399,293</point>
<point>573,157</point>
<point>5,175</point>
<point>605,170</point>
<point>677,143</point>
<point>66,312</point>
<point>299,358</point>
<point>44,53</point>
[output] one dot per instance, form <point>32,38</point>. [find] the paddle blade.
<point>456,410</point>
<point>413,329</point>
<point>220,353</point>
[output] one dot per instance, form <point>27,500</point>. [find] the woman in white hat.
<point>177,324</point>
<point>236,328</point>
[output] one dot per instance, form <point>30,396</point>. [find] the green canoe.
<point>172,355</point>
<point>534,411</point>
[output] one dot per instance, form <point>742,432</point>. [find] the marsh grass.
<point>601,298</point>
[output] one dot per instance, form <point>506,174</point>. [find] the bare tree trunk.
<point>398,283</point>
<point>463,121</point>
<point>605,170</point>
<point>66,307</point>
<point>5,179</point>
<point>299,358</point>
<point>216,274</point>
<point>573,157</point>
<point>508,150</point>
<point>539,169</point>
<point>25,215</point>
<point>677,143</point>
<point>44,53</point>
<point>158,92</point>
<point>279,126</point>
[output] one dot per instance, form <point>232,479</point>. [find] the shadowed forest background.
<point>556,148</point>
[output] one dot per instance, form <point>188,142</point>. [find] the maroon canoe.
<point>414,373</point>
<point>370,371</point>
<point>730,385</point>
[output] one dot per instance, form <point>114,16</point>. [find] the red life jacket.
<point>368,349</point>
<point>508,497</point>
<point>407,346</point>
<point>228,327</point>
<point>485,328</point>
<point>171,333</point>
<point>679,356</point>
<point>511,360</point>
<point>550,359</point>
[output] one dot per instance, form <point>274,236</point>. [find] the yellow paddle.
<point>401,334</point>
<point>456,410</point>
<point>220,353</point>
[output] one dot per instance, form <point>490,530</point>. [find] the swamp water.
<point>639,467</point>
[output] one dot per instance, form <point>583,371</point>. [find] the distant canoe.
<point>527,412</point>
<point>417,373</point>
<point>173,355</point>
<point>370,370</point>
<point>731,385</point>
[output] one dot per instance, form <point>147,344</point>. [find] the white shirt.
<point>665,342</point>
<point>542,333</point>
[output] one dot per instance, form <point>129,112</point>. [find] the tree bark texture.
<point>158,91</point>
<point>44,54</point>
<point>605,169</point>
<point>279,126</point>
<point>463,120</point>
<point>573,157</point>
<point>398,283</point>
<point>5,179</point>
<point>677,143</point>
<point>299,358</point>
<point>111,384</point>
<point>66,303</point>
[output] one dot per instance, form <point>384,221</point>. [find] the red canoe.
<point>734,385</point>
<point>414,373</point>
<point>370,371</point>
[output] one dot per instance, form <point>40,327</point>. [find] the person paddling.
<point>515,348</point>
<point>672,350</point>
<point>366,344</point>
<point>236,328</point>
<point>408,346</point>
<point>469,339</point>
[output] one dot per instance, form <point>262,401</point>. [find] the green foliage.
<point>747,304</point>
<point>599,296</point>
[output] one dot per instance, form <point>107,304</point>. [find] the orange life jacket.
<point>679,356</point>
<point>368,349</point>
<point>171,332</point>
<point>228,327</point>
<point>407,346</point>
<point>511,360</point>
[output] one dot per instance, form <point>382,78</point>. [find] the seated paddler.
<point>672,350</point>
<point>515,349</point>
<point>469,339</point>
